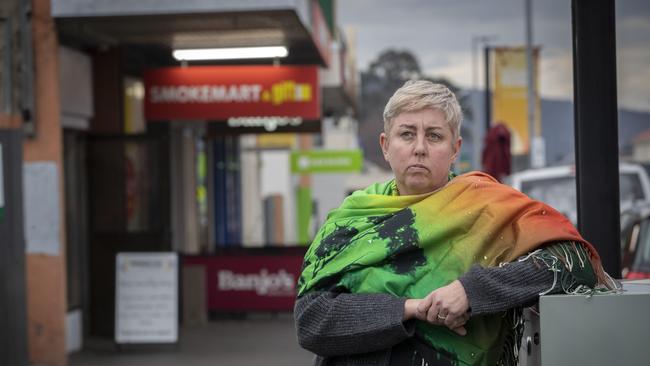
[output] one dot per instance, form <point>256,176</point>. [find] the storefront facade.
<point>132,150</point>
<point>187,157</point>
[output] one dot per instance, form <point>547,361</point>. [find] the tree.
<point>394,65</point>
<point>388,72</point>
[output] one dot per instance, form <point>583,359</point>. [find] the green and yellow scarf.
<point>408,246</point>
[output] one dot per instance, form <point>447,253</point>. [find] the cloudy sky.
<point>440,32</point>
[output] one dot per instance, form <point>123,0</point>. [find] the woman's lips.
<point>418,167</point>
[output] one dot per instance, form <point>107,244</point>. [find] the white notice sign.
<point>146,301</point>
<point>42,208</point>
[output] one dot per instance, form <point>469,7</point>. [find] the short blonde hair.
<point>416,95</point>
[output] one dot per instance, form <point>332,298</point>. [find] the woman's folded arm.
<point>330,323</point>
<point>557,268</point>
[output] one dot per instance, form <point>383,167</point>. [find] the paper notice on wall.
<point>146,301</point>
<point>42,208</point>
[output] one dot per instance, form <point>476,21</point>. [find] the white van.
<point>556,186</point>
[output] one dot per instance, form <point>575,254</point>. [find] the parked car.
<point>635,242</point>
<point>556,186</point>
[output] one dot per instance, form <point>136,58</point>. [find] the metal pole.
<point>488,99</point>
<point>478,132</point>
<point>475,41</point>
<point>596,127</point>
<point>8,82</point>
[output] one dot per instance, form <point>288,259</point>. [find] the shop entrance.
<point>129,193</point>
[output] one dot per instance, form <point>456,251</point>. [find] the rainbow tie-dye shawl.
<point>411,245</point>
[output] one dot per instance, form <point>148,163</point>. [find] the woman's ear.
<point>383,142</point>
<point>456,147</point>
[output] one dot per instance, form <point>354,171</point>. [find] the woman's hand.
<point>447,306</point>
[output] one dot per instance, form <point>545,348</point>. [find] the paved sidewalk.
<point>264,339</point>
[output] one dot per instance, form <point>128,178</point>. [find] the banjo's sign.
<point>223,93</point>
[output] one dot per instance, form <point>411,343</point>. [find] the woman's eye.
<point>434,137</point>
<point>407,134</point>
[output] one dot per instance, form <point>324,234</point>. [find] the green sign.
<point>2,188</point>
<point>326,161</point>
<point>304,214</point>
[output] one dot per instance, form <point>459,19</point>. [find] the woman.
<point>429,268</point>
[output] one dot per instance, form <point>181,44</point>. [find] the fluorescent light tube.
<point>230,53</point>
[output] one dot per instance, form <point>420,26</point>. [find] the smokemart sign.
<point>217,93</point>
<point>326,161</point>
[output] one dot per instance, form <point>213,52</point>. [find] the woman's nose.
<point>420,146</point>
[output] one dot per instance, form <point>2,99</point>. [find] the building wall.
<point>642,151</point>
<point>185,230</point>
<point>276,179</point>
<point>252,204</point>
<point>75,88</point>
<point>46,277</point>
<point>329,190</point>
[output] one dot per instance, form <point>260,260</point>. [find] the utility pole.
<point>478,131</point>
<point>13,317</point>
<point>488,97</point>
<point>596,128</point>
<point>535,142</point>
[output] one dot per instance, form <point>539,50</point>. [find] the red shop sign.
<point>216,93</point>
<point>249,282</point>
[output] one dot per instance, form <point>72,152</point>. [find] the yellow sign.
<point>276,140</point>
<point>510,100</point>
<point>287,91</point>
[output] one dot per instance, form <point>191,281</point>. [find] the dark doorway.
<point>129,211</point>
<point>13,299</point>
<point>76,221</point>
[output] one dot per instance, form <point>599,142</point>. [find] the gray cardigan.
<point>361,329</point>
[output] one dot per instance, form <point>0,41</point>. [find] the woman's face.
<point>420,149</point>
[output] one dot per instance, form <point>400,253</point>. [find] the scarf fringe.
<point>514,319</point>
<point>561,260</point>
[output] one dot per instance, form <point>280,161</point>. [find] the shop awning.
<point>173,25</point>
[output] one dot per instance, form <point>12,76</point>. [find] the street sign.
<point>2,188</point>
<point>146,301</point>
<point>262,125</point>
<point>326,161</point>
